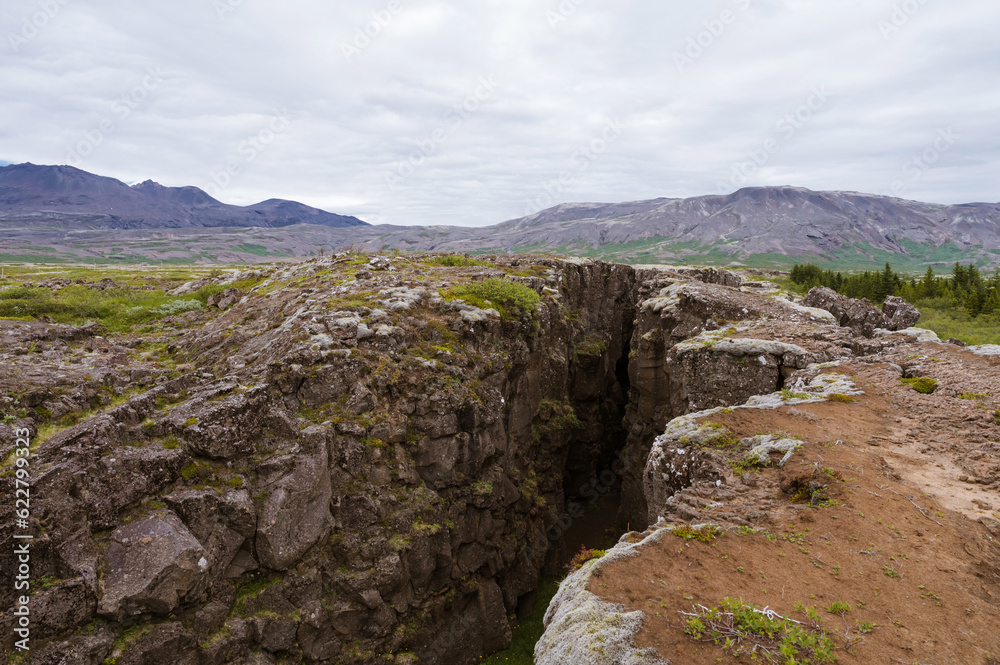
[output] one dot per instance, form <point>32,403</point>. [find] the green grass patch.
<point>512,299</point>
<point>117,309</point>
<point>456,261</point>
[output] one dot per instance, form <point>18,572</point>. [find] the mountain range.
<point>66,197</point>
<point>58,213</point>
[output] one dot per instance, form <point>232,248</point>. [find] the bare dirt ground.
<point>907,538</point>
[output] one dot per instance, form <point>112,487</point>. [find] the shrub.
<point>744,629</point>
<point>179,306</point>
<point>456,261</point>
<point>583,556</point>
<point>504,293</point>
<point>705,534</point>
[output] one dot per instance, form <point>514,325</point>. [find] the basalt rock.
<point>860,315</point>
<point>899,314</point>
<point>322,469</point>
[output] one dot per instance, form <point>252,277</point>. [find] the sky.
<point>472,113</point>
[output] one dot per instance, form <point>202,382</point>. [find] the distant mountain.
<point>790,221</point>
<point>64,197</point>
<point>49,208</point>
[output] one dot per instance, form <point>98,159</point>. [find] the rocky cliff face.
<point>339,462</point>
<point>359,460</point>
<point>811,465</point>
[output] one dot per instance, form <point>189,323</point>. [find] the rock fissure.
<point>351,464</point>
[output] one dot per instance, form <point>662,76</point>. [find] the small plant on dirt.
<point>787,395</point>
<point>891,572</point>
<point>705,533</point>
<point>764,635</point>
<point>837,397</point>
<point>923,385</point>
<point>974,397</point>
<point>583,556</point>
<point>839,607</point>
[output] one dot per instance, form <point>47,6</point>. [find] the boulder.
<point>150,567</point>
<point>859,315</point>
<point>63,607</point>
<point>296,512</point>
<point>165,643</point>
<point>899,314</point>
<point>226,299</point>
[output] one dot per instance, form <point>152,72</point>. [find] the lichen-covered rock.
<point>859,315</point>
<point>899,314</point>
<point>582,628</point>
<point>150,567</point>
<point>687,453</point>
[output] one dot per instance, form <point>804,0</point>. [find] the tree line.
<point>966,287</point>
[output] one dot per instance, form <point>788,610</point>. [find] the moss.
<point>837,397</point>
<point>191,422</point>
<point>482,488</point>
<point>922,385</point>
<point>249,590</point>
<point>553,418</point>
<point>592,345</point>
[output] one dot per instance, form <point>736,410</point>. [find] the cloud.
<point>387,117</point>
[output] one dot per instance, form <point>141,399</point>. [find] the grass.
<point>511,298</point>
<point>954,322</point>
<point>528,630</point>
<point>116,309</point>
<point>456,261</point>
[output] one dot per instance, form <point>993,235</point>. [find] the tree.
<point>928,285</point>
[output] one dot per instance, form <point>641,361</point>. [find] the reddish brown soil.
<point>907,475</point>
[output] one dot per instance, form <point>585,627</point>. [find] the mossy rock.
<point>922,385</point>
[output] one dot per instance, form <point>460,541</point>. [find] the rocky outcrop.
<point>860,315</point>
<point>358,456</point>
<point>899,314</point>
<point>585,629</point>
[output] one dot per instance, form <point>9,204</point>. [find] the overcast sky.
<point>448,112</point>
